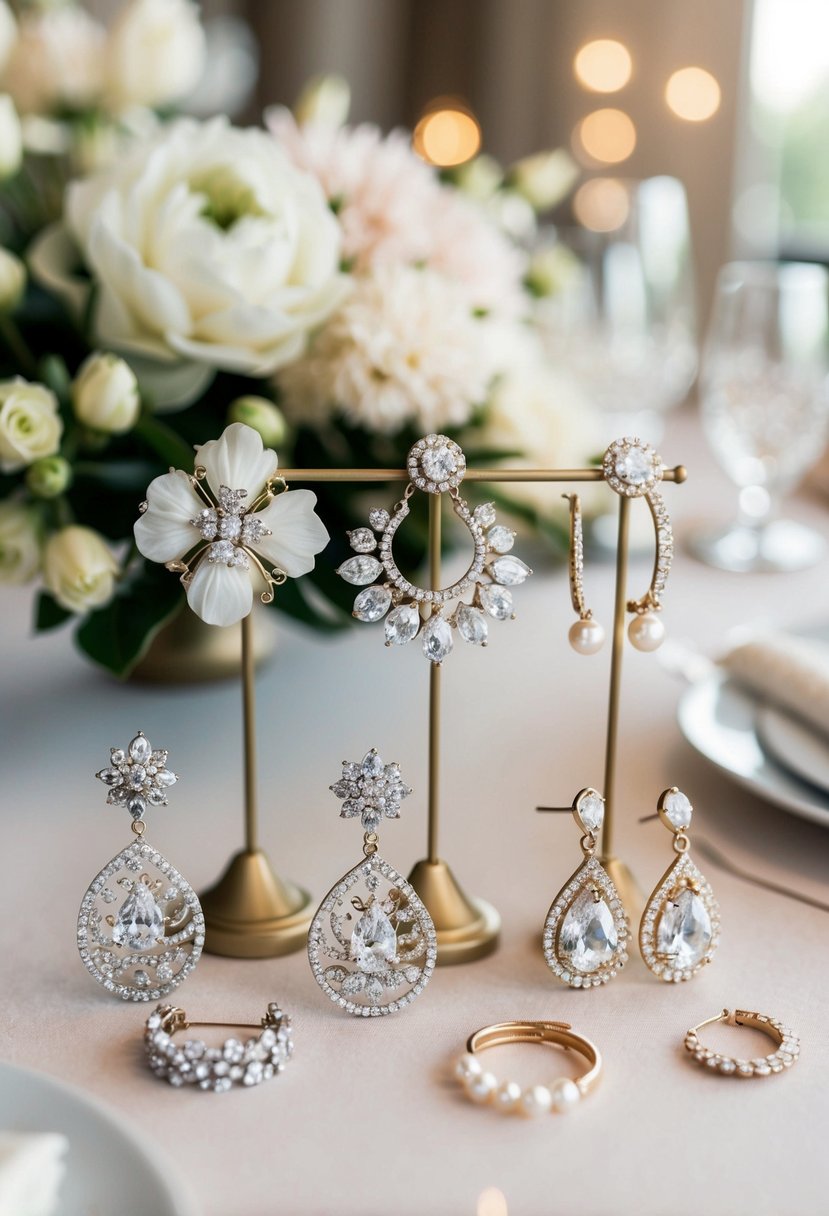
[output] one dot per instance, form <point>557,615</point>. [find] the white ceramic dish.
<point>794,745</point>
<point>108,1170</point>
<point>719,719</point>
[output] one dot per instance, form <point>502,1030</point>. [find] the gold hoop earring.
<point>586,636</point>
<point>633,469</point>
<point>785,1054</point>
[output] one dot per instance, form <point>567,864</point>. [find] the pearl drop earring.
<point>632,468</point>
<point>586,635</point>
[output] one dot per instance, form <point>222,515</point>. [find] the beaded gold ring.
<point>507,1096</point>
<point>786,1053</point>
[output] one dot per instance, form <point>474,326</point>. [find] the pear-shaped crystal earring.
<point>680,926</point>
<point>586,930</point>
<point>140,926</point>
<point>372,944</point>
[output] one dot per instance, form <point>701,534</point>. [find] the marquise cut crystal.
<point>591,811</point>
<point>678,809</point>
<point>360,570</point>
<point>372,603</point>
<point>509,571</point>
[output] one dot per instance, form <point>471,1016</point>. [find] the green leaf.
<point>49,614</point>
<point>53,372</point>
<point>119,635</point>
<point>167,445</point>
<point>293,599</point>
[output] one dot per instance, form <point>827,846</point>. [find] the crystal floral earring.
<point>586,635</point>
<point>586,930</point>
<point>372,944</point>
<point>634,469</point>
<point>680,927</point>
<point>436,465</point>
<point>140,925</point>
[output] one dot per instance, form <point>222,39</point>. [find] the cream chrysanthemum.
<point>404,348</point>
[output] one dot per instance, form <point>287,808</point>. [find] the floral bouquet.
<point>162,276</point>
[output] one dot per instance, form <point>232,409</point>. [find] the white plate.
<point>794,745</point>
<point>718,719</point>
<point>108,1169</point>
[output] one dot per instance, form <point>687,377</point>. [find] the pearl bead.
<point>467,1066</point>
<point>536,1101</point>
<point>507,1096</point>
<point>565,1094</point>
<point>586,637</point>
<point>646,631</point>
<point>482,1087</point>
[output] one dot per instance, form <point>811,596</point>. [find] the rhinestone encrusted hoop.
<point>218,1068</point>
<point>786,1053</point>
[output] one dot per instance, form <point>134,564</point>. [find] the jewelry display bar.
<point>252,913</point>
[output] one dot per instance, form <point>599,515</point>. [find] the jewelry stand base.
<point>467,929</point>
<point>252,913</point>
<point>630,893</point>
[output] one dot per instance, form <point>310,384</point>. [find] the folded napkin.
<point>31,1171</point>
<point>788,671</point>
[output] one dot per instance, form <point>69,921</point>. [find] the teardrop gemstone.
<point>437,639</point>
<point>680,928</point>
<point>374,941</point>
<point>588,937</point>
<point>140,925</point>
<point>684,931</point>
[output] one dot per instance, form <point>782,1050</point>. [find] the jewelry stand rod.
<point>342,476</point>
<point>434,687</point>
<point>615,677</point>
<point>249,720</point>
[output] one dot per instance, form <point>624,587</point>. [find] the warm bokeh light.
<point>604,66</point>
<point>492,1202</point>
<point>447,135</point>
<point>607,136</point>
<point>693,94</point>
<point>601,204</point>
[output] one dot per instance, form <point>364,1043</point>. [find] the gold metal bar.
<point>434,687</point>
<point>249,718</point>
<point>615,676</point>
<point>518,475</point>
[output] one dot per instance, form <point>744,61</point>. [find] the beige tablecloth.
<point>366,1119</point>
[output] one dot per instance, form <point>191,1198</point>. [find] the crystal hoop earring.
<point>633,469</point>
<point>436,465</point>
<point>586,635</point>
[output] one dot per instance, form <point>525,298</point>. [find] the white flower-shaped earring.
<point>231,519</point>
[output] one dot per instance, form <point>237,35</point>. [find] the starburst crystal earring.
<point>586,635</point>
<point>372,944</point>
<point>586,930</point>
<point>633,469</point>
<point>435,465</point>
<point>680,927</point>
<point>140,925</point>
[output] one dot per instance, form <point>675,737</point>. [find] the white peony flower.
<point>30,425</point>
<point>12,280</point>
<point>227,524</point>
<point>105,394</point>
<point>404,348</point>
<point>208,250</point>
<point>78,569</point>
<point>155,53</point>
<point>19,543</point>
<point>58,60</point>
<point>11,138</point>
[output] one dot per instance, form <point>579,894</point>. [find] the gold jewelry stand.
<point>251,913</point>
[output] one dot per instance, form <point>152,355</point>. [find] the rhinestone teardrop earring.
<point>140,925</point>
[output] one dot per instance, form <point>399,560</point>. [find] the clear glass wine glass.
<point>764,391</point>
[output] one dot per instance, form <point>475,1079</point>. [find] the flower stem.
<point>249,721</point>
<point>14,341</point>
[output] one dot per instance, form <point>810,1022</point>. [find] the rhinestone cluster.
<point>632,467</point>
<point>436,464</point>
<point>137,776</point>
<point>217,1068</point>
<point>370,789</point>
<point>788,1050</point>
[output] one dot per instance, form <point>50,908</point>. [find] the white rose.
<point>8,33</point>
<point>12,280</point>
<point>58,60</point>
<point>30,425</point>
<point>261,416</point>
<point>545,178</point>
<point>155,53</point>
<point>105,394</point>
<point>325,100</point>
<point>78,569</point>
<point>11,137</point>
<point>208,250</point>
<point>19,543</point>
